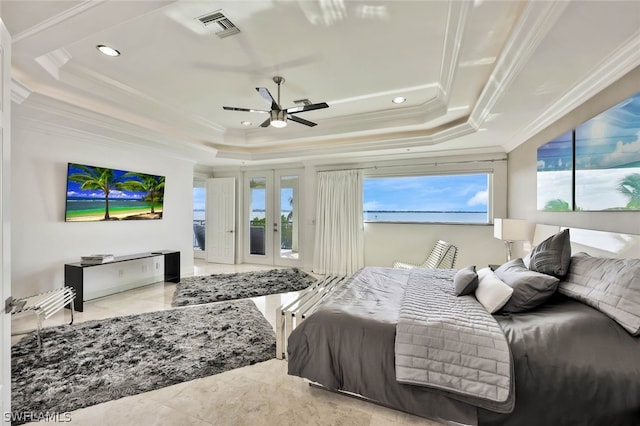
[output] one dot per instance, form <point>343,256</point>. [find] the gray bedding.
<point>451,343</point>
<point>348,345</point>
<point>573,364</point>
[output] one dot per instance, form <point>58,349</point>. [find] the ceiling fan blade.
<point>264,92</point>
<point>301,120</point>
<point>266,122</point>
<point>244,109</point>
<point>295,110</point>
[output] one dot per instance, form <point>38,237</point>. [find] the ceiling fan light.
<point>279,118</point>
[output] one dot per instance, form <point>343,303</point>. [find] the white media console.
<point>123,273</point>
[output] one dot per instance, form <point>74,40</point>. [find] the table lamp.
<point>510,230</point>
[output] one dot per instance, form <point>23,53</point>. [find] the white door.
<point>273,203</point>
<point>5,222</point>
<point>221,220</point>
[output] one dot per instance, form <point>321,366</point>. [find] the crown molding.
<point>53,61</point>
<point>81,76</point>
<point>401,140</point>
<point>57,19</point>
<point>70,121</point>
<point>377,121</point>
<point>454,32</point>
<point>104,114</point>
<point>19,91</point>
<point>537,19</point>
<point>620,62</point>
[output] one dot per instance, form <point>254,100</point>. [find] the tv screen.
<point>99,193</point>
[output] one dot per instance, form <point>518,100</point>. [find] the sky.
<point>427,193</point>
<point>609,140</point>
<point>258,199</point>
<point>414,193</point>
<point>607,150</point>
<point>73,188</point>
<point>199,198</point>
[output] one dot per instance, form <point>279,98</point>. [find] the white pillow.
<point>492,292</point>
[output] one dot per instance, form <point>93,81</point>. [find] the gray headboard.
<point>595,243</point>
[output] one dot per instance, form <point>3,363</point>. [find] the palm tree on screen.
<point>97,178</point>
<point>557,205</point>
<point>152,186</point>
<point>630,186</point>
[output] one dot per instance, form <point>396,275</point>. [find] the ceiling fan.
<point>277,115</point>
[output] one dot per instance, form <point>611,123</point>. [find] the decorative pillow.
<point>492,292</point>
<point>465,281</point>
<point>553,255</point>
<point>611,286</point>
<point>530,288</point>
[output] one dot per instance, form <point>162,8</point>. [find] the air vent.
<point>302,102</point>
<point>223,27</point>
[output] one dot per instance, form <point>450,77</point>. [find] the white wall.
<point>43,242</point>
<point>523,165</point>
<point>386,242</point>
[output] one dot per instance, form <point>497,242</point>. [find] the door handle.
<point>231,232</point>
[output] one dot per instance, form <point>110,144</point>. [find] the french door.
<point>272,217</point>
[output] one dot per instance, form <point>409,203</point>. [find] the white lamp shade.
<point>511,229</point>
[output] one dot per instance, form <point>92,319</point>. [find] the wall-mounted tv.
<point>99,193</point>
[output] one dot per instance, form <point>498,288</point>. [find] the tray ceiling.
<point>476,75</point>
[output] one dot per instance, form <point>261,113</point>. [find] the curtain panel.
<point>339,243</point>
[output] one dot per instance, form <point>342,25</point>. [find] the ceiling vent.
<point>223,27</point>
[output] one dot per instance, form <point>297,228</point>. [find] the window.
<point>459,198</point>
<point>199,217</point>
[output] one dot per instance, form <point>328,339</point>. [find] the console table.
<point>91,281</point>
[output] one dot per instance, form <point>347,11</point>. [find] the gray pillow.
<point>612,286</point>
<point>465,281</point>
<point>530,289</point>
<point>553,255</point>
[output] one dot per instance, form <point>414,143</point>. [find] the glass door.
<point>288,243</point>
<point>272,213</point>
<point>199,219</point>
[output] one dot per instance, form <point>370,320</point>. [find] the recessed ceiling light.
<point>398,100</point>
<point>246,123</point>
<point>106,50</point>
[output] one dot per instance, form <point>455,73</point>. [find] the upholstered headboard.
<point>595,243</point>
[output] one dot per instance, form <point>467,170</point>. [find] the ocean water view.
<point>398,216</point>
<point>424,216</point>
<point>77,207</point>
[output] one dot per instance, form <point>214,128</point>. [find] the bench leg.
<point>39,315</point>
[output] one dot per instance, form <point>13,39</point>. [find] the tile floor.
<point>261,394</point>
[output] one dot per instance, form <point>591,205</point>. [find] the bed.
<point>570,363</point>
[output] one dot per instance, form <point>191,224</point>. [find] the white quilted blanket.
<point>451,343</point>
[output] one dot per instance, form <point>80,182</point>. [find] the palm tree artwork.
<point>99,193</point>
<point>630,186</point>
<point>153,186</point>
<point>557,205</point>
<point>97,178</point>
